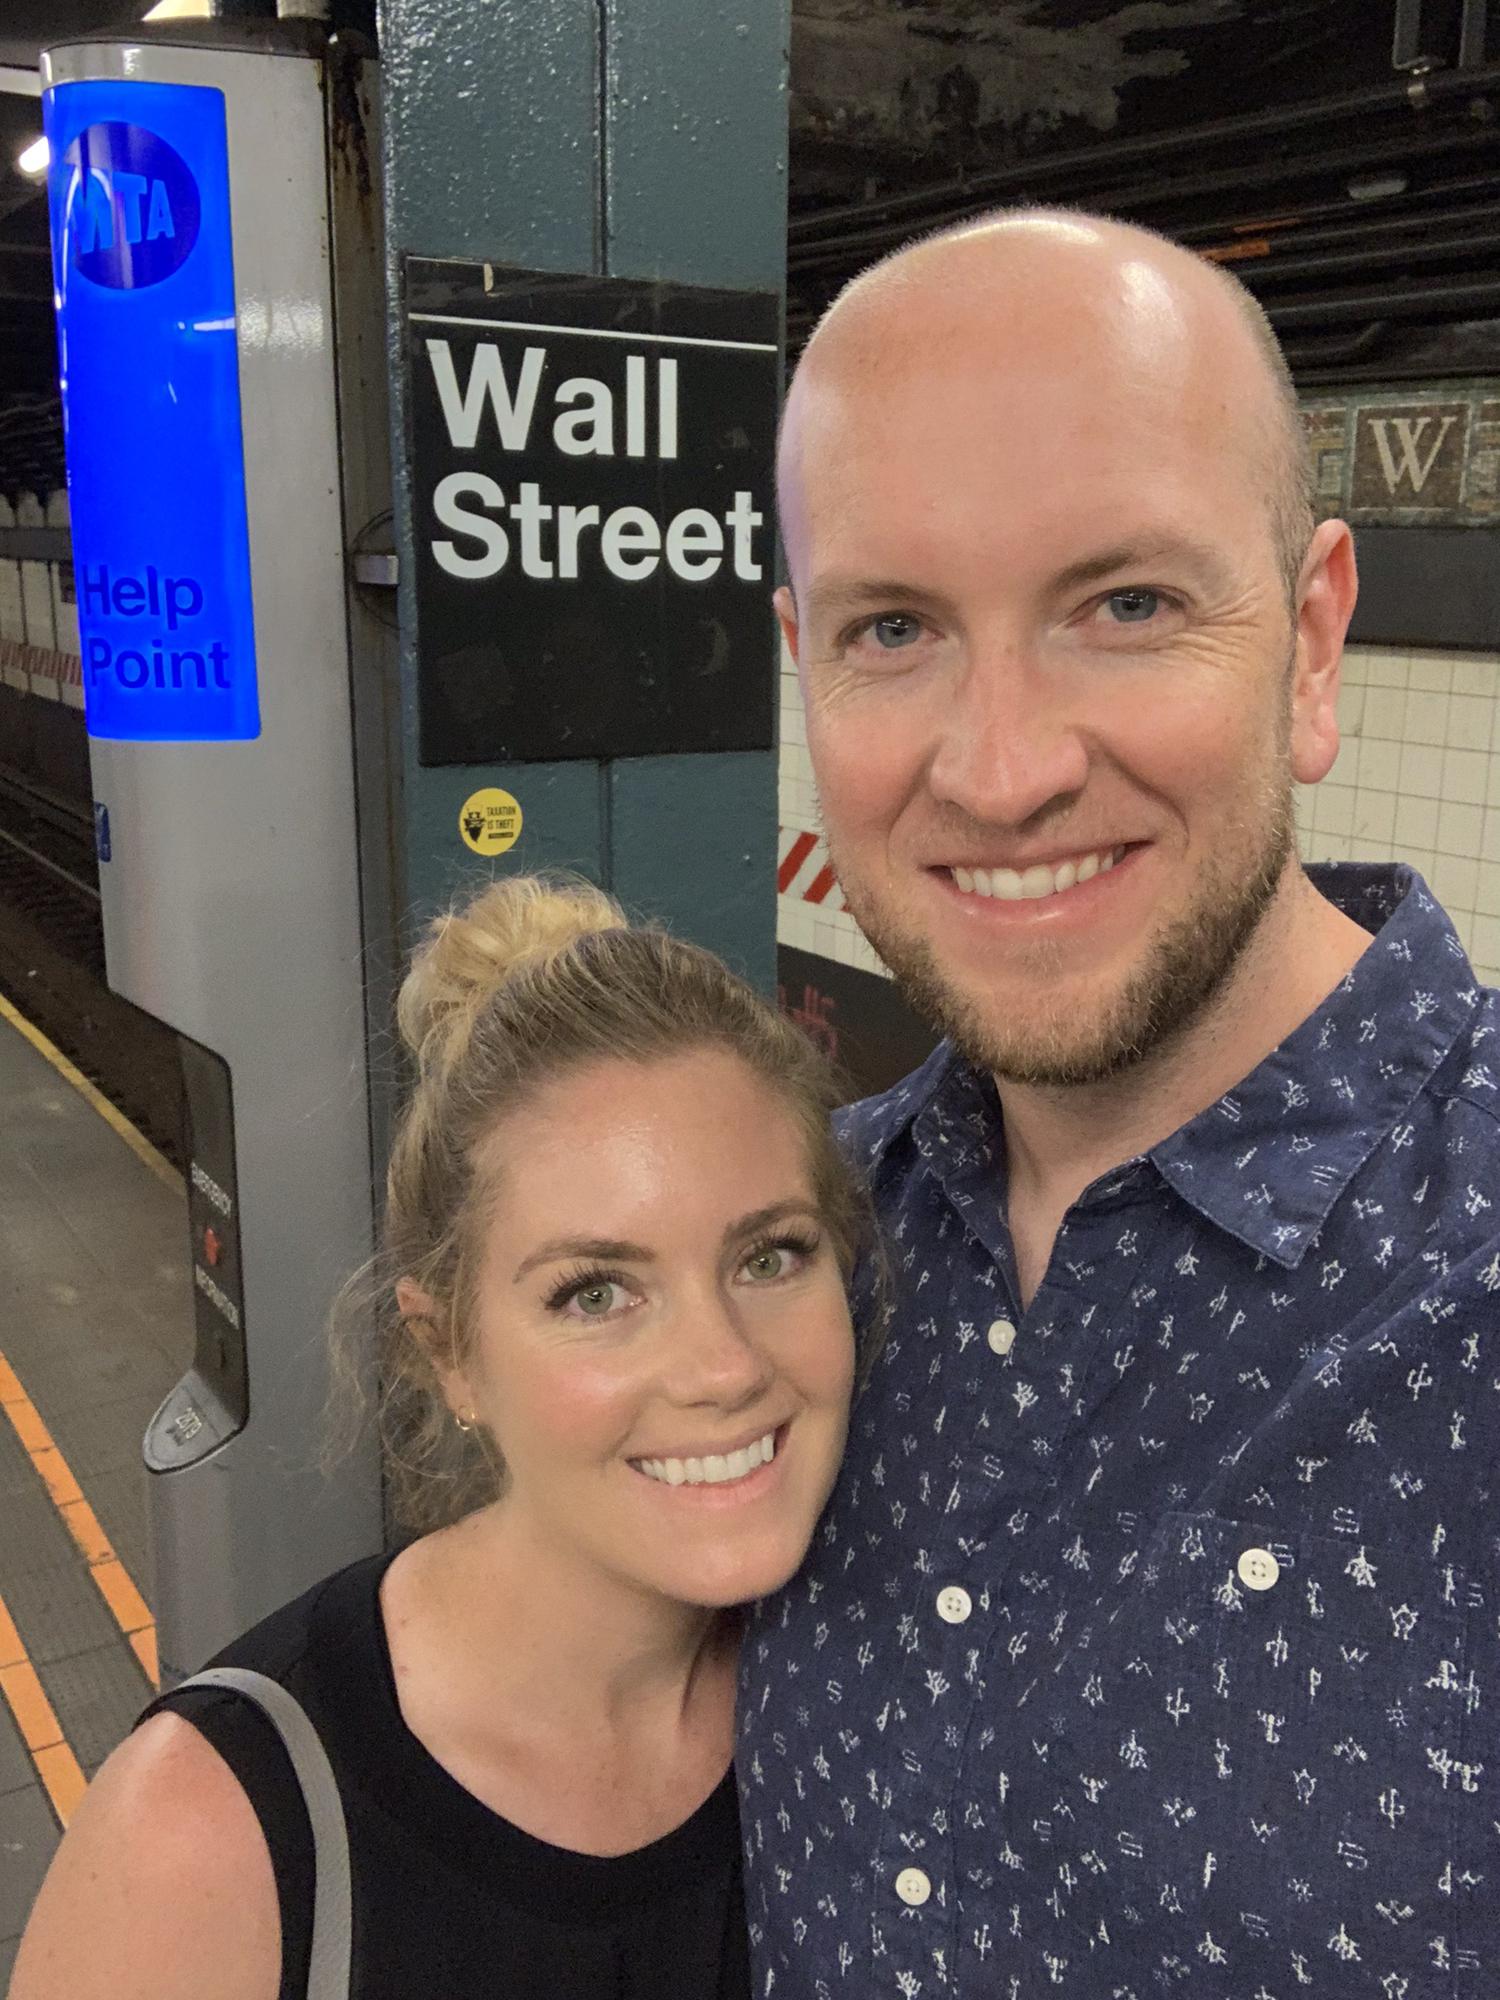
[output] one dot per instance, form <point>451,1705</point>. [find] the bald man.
<point>1149,1644</point>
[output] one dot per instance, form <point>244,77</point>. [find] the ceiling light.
<point>33,162</point>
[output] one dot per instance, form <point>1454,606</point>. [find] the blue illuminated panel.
<point>141,252</point>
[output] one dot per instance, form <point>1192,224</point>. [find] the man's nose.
<point>1009,743</point>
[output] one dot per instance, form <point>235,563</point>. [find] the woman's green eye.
<point>767,1263</point>
<point>595,1300</point>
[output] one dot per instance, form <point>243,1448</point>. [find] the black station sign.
<point>592,463</point>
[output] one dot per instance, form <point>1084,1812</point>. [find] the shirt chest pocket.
<point>1276,1745</point>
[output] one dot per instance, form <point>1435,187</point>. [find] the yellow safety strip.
<point>56,1766</point>
<point>111,1578</point>
<point>117,1122</point>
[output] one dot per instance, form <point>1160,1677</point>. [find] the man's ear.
<point>1326,590</point>
<point>786,615</point>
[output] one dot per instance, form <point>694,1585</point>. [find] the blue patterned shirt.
<point>1149,1643</point>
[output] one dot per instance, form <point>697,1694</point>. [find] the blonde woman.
<point>617,1361</point>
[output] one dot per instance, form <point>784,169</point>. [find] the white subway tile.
<point>1354,667</point>
<point>1470,720</point>
<point>1460,830</point>
<point>1484,946</point>
<point>1379,766</point>
<point>1487,889</point>
<point>1432,672</point>
<point>1466,773</point>
<point>1384,667</point>
<point>1335,809</point>
<point>1454,880</point>
<point>1385,714</point>
<point>1427,718</point>
<point>1416,825</point>
<point>1471,676</point>
<point>1423,860</point>
<point>1375,817</point>
<point>1422,771</point>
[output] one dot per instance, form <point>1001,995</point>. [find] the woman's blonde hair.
<point>535,977</point>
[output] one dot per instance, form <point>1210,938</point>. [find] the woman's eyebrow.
<point>600,1248</point>
<point>611,1249</point>
<point>766,1218</point>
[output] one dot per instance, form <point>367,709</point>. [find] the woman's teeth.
<point>713,1470</point>
<point>1006,886</point>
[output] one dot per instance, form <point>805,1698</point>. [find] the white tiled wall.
<point>830,933</point>
<point>1417,779</point>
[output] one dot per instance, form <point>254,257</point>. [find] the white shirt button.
<point>1258,1569</point>
<point>954,1604</point>
<point>913,1887</point>
<point>1002,1336</point>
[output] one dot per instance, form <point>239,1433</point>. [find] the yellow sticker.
<point>490,821</point>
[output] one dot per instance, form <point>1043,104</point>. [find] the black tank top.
<point>449,1898</point>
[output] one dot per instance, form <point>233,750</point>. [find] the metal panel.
<point>1428,587</point>
<point>695,146</point>
<point>695,155</point>
<point>491,151</point>
<point>232,902</point>
<point>563,826</point>
<point>640,138</point>
<point>693,841</point>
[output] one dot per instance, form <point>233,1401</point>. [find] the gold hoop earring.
<point>466,1424</point>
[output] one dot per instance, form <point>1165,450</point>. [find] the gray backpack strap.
<point>330,1963</point>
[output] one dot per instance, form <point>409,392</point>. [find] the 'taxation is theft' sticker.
<point>490,821</point>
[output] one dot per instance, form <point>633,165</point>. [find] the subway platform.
<point>95,1327</point>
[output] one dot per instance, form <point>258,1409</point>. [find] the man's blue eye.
<point>1133,607</point>
<point>895,629</point>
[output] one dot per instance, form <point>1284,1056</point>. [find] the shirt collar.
<point>1271,1157</point>
<point>1267,1160</point>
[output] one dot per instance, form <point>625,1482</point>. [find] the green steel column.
<point>625,138</point>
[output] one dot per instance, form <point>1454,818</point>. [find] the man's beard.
<point>1185,968</point>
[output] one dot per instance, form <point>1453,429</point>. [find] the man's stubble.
<point>1185,968</point>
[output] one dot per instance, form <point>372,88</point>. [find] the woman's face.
<point>662,1349</point>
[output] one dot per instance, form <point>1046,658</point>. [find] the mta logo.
<point>130,215</point>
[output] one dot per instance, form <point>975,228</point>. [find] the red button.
<point>213,1249</point>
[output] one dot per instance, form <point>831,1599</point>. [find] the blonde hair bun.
<point>470,953</point>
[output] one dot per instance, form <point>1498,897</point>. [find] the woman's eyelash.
<point>803,1242</point>
<point>571,1283</point>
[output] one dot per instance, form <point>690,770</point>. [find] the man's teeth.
<point>1006,886</point>
<point>713,1470</point>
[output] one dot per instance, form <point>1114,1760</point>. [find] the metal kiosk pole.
<point>193,193</point>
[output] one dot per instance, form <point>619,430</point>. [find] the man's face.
<point>1052,687</point>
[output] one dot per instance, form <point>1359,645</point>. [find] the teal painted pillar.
<point>641,139</point>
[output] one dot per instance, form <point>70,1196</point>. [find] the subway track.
<point>52,959</point>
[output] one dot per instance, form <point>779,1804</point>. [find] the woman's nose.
<point>716,1359</point>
